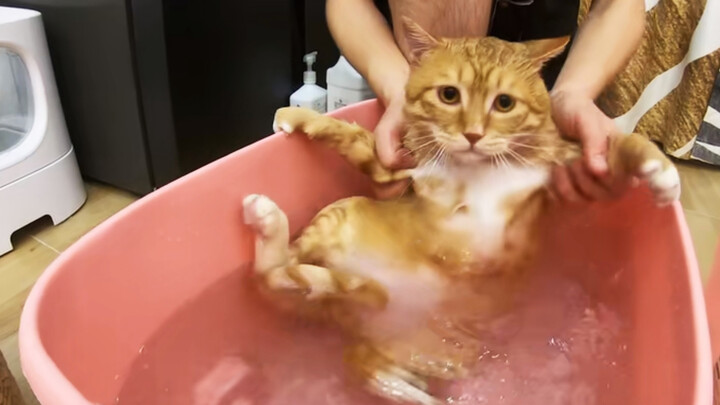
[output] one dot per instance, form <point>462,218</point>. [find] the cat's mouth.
<point>471,155</point>
<point>482,152</point>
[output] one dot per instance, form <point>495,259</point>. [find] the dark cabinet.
<point>154,89</point>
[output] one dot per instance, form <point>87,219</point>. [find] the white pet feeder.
<point>39,174</point>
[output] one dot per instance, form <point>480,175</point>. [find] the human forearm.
<point>605,41</point>
<point>363,36</point>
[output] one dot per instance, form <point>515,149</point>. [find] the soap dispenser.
<point>310,95</point>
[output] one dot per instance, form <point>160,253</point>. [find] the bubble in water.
<point>559,343</point>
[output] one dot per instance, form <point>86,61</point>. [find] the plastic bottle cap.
<point>309,76</point>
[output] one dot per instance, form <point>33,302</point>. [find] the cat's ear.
<point>542,50</point>
<point>418,40</point>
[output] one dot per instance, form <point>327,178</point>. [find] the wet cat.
<point>455,247</point>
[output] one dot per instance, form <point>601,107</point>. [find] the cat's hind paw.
<point>400,385</point>
<point>262,214</point>
<point>663,180</point>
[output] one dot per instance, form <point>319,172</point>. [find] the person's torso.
<point>511,20</point>
<point>442,18</point>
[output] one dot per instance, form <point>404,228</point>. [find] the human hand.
<point>587,179</point>
<point>388,145</point>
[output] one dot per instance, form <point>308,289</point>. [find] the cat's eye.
<point>504,103</point>
<point>449,94</point>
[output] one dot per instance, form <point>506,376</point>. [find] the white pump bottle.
<point>345,85</point>
<point>310,95</point>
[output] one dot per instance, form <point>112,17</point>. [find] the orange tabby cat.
<point>479,126</point>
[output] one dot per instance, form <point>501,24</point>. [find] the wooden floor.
<point>701,201</point>
<point>35,247</point>
<point>41,243</point>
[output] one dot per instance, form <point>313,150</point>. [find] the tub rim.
<point>703,390</point>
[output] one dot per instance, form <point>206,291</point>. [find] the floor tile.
<point>705,232</point>
<point>36,246</point>
<point>19,270</point>
<point>700,188</point>
<point>102,203</point>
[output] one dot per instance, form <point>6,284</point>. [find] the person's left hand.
<point>587,179</point>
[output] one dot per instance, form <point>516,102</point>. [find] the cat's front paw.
<point>262,214</point>
<point>663,179</point>
<point>291,119</point>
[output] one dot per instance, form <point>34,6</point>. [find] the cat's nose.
<point>472,137</point>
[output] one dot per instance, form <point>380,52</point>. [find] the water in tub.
<point>560,346</point>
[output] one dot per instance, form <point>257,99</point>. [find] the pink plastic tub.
<point>712,301</point>
<point>87,320</point>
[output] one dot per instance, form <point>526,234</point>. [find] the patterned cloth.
<point>669,90</point>
<point>707,144</point>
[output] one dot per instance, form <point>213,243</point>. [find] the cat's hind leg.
<point>355,143</point>
<point>272,236</point>
<point>386,379</point>
<point>278,265</point>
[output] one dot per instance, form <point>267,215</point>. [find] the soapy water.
<point>229,347</point>
<point>564,350</point>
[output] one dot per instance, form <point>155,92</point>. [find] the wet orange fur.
<point>421,236</point>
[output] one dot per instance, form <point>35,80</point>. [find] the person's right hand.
<point>389,148</point>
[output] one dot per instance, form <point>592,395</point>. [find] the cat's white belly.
<point>413,293</point>
<point>487,190</point>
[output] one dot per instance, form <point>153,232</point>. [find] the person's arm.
<point>365,39</point>
<point>363,35</point>
<point>605,41</point>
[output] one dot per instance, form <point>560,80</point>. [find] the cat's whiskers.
<point>421,146</point>
<point>519,158</point>
<point>432,153</point>
<point>525,145</point>
<point>423,137</point>
<point>493,161</point>
<point>435,160</point>
<point>548,152</point>
<point>444,156</point>
<point>506,164</point>
<point>499,159</point>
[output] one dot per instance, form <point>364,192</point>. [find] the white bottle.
<point>310,95</point>
<point>345,85</point>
